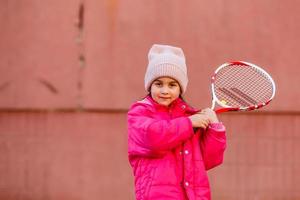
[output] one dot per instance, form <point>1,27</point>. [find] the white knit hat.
<point>165,60</point>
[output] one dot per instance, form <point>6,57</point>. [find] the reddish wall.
<point>63,156</point>
<point>83,53</point>
<point>83,156</point>
<point>39,56</point>
<point>70,70</point>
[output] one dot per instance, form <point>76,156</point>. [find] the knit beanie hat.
<point>165,60</point>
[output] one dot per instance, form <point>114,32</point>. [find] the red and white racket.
<point>241,86</point>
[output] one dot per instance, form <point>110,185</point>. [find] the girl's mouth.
<point>165,98</point>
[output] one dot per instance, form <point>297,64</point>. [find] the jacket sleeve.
<point>213,144</point>
<point>148,136</point>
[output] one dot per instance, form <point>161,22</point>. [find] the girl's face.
<point>165,90</point>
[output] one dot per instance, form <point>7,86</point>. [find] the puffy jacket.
<point>168,158</point>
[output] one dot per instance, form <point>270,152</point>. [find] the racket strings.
<point>242,86</point>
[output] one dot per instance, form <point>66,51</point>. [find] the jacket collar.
<point>176,104</point>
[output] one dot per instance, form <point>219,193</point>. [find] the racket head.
<point>241,86</point>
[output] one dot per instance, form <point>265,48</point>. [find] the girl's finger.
<point>202,126</point>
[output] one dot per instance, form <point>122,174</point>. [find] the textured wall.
<point>262,158</point>
<point>70,69</point>
<point>83,156</point>
<point>63,156</point>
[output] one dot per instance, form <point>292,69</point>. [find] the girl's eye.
<point>157,84</point>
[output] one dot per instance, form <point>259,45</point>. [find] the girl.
<point>171,145</point>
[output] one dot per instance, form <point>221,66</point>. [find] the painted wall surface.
<point>83,156</point>
<point>69,71</point>
<point>39,56</point>
<point>93,54</point>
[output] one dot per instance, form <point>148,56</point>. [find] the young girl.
<point>170,144</point>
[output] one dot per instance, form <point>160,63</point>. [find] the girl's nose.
<point>164,90</point>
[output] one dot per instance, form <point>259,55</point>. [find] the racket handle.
<point>222,110</point>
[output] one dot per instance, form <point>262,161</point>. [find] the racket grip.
<point>222,110</point>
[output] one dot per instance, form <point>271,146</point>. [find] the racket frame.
<point>225,108</point>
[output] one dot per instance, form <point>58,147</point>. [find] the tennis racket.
<point>241,86</point>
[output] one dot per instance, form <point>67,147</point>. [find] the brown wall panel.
<point>210,32</point>
<point>262,158</point>
<point>84,156</point>
<point>59,55</point>
<point>39,65</point>
<point>43,46</point>
<point>64,156</point>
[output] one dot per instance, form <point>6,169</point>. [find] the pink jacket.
<point>169,160</point>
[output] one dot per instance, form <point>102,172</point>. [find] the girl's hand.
<point>210,114</point>
<point>204,118</point>
<point>199,120</point>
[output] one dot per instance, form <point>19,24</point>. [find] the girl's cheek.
<point>176,90</point>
